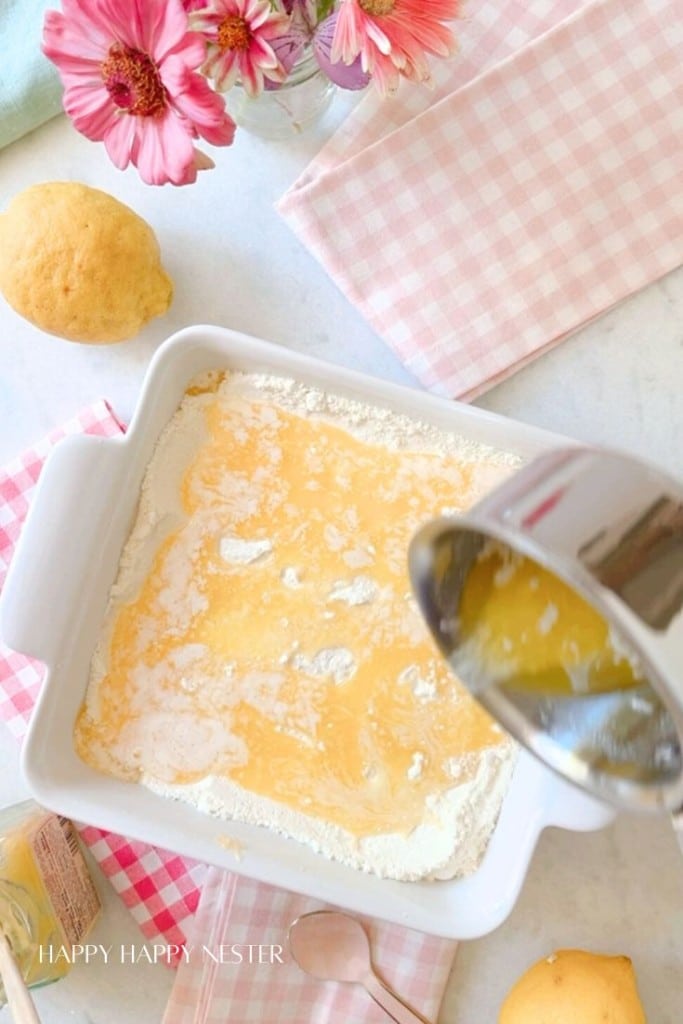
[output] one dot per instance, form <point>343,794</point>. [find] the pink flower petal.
<point>262,53</point>
<point>119,141</point>
<point>205,110</point>
<point>85,15</point>
<point>122,19</point>
<point>252,78</point>
<point>164,25</point>
<point>91,111</point>
<point>63,41</point>
<point>225,71</point>
<point>166,153</point>
<point>191,50</point>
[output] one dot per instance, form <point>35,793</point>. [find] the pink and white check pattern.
<point>240,912</point>
<point>20,677</point>
<point>161,889</point>
<point>488,32</point>
<point>481,231</point>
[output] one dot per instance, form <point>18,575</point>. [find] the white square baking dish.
<point>56,593</point>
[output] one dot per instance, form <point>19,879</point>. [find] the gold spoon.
<point>19,999</point>
<point>333,946</point>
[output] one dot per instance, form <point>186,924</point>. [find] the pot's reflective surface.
<point>610,529</point>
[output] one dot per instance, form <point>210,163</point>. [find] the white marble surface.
<point>617,382</point>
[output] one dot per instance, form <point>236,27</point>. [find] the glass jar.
<point>287,110</point>
<point>48,901</point>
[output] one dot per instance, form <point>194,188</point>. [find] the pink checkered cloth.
<point>160,889</point>
<point>238,914</point>
<point>538,190</point>
<point>163,890</point>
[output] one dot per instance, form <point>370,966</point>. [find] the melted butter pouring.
<point>206,661</point>
<point>531,631</point>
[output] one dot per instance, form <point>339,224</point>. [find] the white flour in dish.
<point>457,823</point>
<point>448,844</point>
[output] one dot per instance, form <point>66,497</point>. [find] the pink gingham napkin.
<point>487,32</point>
<point>529,198</point>
<point>161,889</point>
<point>236,915</point>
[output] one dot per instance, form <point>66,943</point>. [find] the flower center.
<point>233,33</point>
<point>132,80</point>
<point>377,7</point>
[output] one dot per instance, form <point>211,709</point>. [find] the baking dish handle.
<point>57,548</point>
<point>571,808</point>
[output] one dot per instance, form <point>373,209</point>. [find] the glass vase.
<point>286,111</point>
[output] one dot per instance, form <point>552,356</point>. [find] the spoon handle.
<point>18,999</point>
<point>391,1003</point>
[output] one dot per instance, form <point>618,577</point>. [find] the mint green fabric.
<point>30,90</point>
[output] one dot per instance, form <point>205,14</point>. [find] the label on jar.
<point>65,875</point>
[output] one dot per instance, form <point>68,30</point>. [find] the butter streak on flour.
<point>262,657</point>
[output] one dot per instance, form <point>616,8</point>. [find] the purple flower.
<point>347,76</point>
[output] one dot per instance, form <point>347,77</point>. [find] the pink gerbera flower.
<point>240,35</point>
<point>129,73</point>
<point>394,37</point>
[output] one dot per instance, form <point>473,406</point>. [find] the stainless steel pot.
<point>612,528</point>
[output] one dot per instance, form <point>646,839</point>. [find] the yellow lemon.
<point>572,986</point>
<point>80,264</point>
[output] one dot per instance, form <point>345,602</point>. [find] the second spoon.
<point>333,946</point>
